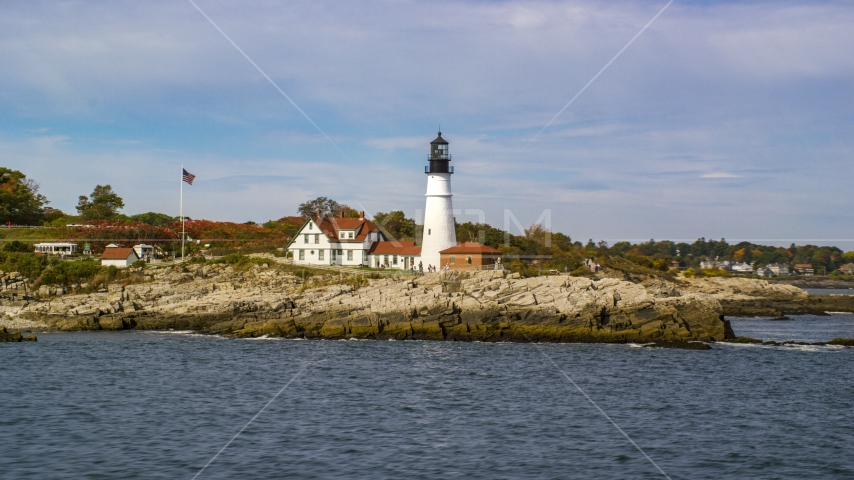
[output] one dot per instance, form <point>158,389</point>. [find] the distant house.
<point>741,267</point>
<point>804,269</point>
<point>847,269</point>
<point>779,268</point>
<point>714,264</point>
<point>471,256</point>
<point>765,272</point>
<point>55,248</point>
<point>118,257</point>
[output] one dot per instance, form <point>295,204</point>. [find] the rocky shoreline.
<point>740,297</point>
<point>455,306</point>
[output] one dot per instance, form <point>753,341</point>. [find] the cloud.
<point>757,94</point>
<point>720,175</point>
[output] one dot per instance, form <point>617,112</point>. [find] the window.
<point>468,260</point>
<point>320,254</point>
<point>309,225</point>
<point>428,231</point>
<point>394,260</point>
<point>302,254</point>
<point>453,260</point>
<point>349,255</point>
<point>351,234</point>
<point>316,238</point>
<point>306,238</point>
<point>385,259</point>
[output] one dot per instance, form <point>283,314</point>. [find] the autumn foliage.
<point>100,233</point>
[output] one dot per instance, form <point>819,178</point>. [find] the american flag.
<point>188,177</point>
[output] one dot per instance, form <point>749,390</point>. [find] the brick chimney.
<point>342,213</point>
<point>319,213</point>
<point>362,214</point>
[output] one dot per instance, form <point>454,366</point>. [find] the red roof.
<point>117,253</point>
<point>331,227</point>
<point>396,248</point>
<point>803,265</point>
<point>471,247</point>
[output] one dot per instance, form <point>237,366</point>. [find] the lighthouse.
<point>439,232</point>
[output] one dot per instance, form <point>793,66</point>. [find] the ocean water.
<point>108,405</point>
<point>829,291</point>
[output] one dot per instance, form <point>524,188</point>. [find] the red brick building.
<point>470,256</point>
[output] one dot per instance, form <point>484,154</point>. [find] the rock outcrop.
<point>740,297</point>
<point>484,306</point>
<point>7,336</point>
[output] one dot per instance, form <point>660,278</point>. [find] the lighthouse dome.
<point>439,140</point>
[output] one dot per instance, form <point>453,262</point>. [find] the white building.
<point>334,241</point>
<point>142,250</point>
<point>779,268</point>
<point>398,255</point>
<point>439,231</point>
<point>355,242</point>
<point>742,267</point>
<point>764,272</point>
<point>55,248</point>
<point>118,257</point>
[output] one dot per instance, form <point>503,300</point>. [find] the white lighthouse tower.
<point>439,232</point>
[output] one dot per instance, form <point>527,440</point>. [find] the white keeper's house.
<point>356,242</point>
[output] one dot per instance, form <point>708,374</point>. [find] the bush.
<point>17,246</point>
<point>237,259</point>
<point>65,273</point>
<point>715,272</point>
<point>690,272</point>
<point>27,264</point>
<point>137,264</point>
<point>640,260</point>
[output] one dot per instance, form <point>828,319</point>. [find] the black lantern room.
<point>439,157</point>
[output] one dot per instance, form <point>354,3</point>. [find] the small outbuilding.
<point>119,257</point>
<point>142,250</point>
<point>56,248</point>
<point>471,256</point>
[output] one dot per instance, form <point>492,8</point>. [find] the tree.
<point>395,224</point>
<point>102,204</point>
<point>327,207</point>
<point>20,201</point>
<point>153,218</point>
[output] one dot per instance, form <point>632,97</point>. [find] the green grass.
<point>32,235</point>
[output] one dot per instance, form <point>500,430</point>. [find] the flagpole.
<point>182,213</point>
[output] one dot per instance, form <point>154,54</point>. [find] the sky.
<point>720,120</point>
